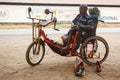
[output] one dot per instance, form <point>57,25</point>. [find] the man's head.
<point>83,9</point>
<point>94,11</point>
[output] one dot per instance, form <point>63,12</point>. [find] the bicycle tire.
<point>83,46</point>
<point>41,52</point>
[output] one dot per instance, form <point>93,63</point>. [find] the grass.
<point>26,26</point>
<point>109,25</point>
<point>14,26</point>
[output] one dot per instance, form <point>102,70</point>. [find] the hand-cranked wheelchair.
<point>93,48</point>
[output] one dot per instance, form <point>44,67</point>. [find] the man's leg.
<point>70,33</point>
<point>79,38</point>
<point>78,41</point>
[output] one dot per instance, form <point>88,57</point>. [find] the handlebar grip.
<point>101,21</point>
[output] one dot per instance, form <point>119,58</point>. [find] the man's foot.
<point>65,48</point>
<point>64,51</point>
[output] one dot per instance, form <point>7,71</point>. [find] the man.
<point>82,23</point>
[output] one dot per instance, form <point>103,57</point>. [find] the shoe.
<point>80,70</point>
<point>64,49</point>
<point>98,67</point>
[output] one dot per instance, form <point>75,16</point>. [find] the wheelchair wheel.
<point>94,49</point>
<point>33,57</point>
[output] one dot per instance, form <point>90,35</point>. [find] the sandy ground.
<point>13,65</point>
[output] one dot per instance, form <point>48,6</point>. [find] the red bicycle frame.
<point>40,33</point>
<point>71,51</point>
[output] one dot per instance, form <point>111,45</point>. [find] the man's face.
<point>83,10</point>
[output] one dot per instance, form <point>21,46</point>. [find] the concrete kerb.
<point>52,31</point>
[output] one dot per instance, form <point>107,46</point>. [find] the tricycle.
<point>91,50</point>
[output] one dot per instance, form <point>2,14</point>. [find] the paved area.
<point>13,65</point>
<point>51,31</point>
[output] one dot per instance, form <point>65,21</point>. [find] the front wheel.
<point>94,49</point>
<point>33,55</point>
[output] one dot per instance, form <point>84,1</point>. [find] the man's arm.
<point>91,24</point>
<point>87,27</point>
<point>76,19</point>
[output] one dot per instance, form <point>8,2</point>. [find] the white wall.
<point>18,14</point>
<point>110,14</point>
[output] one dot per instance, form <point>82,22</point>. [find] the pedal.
<point>99,55</point>
<point>90,55</point>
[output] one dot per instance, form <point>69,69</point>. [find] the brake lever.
<point>54,22</point>
<point>55,28</point>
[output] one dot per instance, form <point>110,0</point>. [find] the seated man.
<point>82,23</point>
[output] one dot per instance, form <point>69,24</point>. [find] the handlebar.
<point>43,20</point>
<point>51,20</point>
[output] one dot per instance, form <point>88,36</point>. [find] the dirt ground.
<point>13,65</point>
